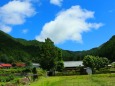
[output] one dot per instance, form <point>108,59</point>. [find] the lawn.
<point>83,80</point>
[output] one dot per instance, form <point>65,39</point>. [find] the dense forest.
<point>105,50</point>
<point>15,49</point>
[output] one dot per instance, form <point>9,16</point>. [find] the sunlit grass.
<point>86,80</point>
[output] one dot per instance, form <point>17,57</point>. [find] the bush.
<point>7,75</point>
<point>59,74</point>
<point>102,71</point>
<point>41,72</point>
<point>68,73</point>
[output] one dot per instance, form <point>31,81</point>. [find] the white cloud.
<point>68,25</point>
<point>15,12</point>
<point>5,28</point>
<point>56,2</point>
<point>24,31</point>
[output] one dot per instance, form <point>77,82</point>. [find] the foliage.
<point>103,71</point>
<point>28,64</point>
<point>41,72</point>
<point>113,64</point>
<point>4,58</point>
<point>60,66</point>
<point>67,73</point>
<point>50,56</point>
<point>95,62</point>
<point>34,70</point>
<point>59,63</point>
<point>11,75</point>
<point>6,77</point>
<point>89,61</point>
<point>35,75</point>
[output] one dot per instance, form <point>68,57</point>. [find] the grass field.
<point>83,80</point>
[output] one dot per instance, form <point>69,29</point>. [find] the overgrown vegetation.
<point>10,75</point>
<point>15,76</point>
<point>87,80</point>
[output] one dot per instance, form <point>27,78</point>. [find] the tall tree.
<point>50,55</point>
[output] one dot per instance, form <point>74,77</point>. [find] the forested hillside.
<point>13,49</point>
<point>105,50</point>
<point>18,49</point>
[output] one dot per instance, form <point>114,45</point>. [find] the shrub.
<point>104,70</point>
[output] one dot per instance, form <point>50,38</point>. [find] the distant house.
<point>3,65</point>
<point>20,64</point>
<point>72,65</point>
<point>37,65</point>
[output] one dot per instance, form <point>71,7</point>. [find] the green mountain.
<point>18,49</point>
<point>13,49</point>
<point>105,50</point>
<point>108,49</point>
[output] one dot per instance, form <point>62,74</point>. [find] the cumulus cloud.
<point>5,28</point>
<point>68,25</point>
<point>56,2</point>
<point>15,13</point>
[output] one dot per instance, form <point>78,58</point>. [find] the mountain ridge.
<point>21,49</point>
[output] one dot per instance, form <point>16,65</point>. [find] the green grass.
<point>86,80</point>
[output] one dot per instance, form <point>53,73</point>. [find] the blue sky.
<point>71,24</point>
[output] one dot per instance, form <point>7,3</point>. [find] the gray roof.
<point>73,63</point>
<point>35,64</point>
